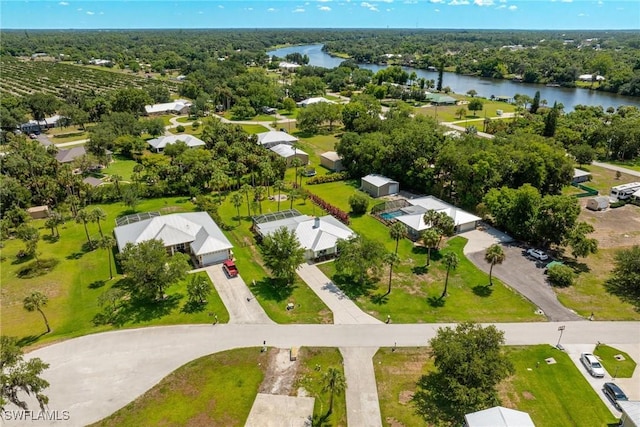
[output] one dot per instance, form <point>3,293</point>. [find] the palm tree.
<point>391,259</point>
<point>245,189</point>
<point>334,383</point>
<point>494,255</point>
<point>397,232</point>
<point>36,301</point>
<point>84,217</point>
<point>198,289</point>
<point>430,238</point>
<point>461,112</point>
<point>107,242</point>
<point>96,215</point>
<point>278,186</point>
<point>258,194</point>
<point>451,261</point>
<point>296,163</point>
<point>236,200</point>
<point>115,179</point>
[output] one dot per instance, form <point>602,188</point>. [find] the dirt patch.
<point>280,374</point>
<point>392,422</point>
<point>528,396</point>
<point>617,227</point>
<point>405,397</point>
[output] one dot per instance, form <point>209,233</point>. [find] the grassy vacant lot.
<point>448,113</point>
<point>416,290</point>
<point>78,279</point>
<point>251,129</point>
<point>218,389</point>
<point>121,166</point>
<point>603,179</point>
<point>314,363</point>
<point>616,368</point>
<point>553,395</point>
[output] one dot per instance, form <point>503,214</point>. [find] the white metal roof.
<point>286,151</point>
<point>378,180</point>
<point>176,105</point>
<point>195,228</point>
<point>577,173</point>
<point>331,155</point>
<point>631,410</point>
<point>162,141</point>
<point>324,236</point>
<point>499,416</point>
<point>414,217</point>
<point>310,101</point>
<point>275,137</point>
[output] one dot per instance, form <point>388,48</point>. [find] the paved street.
<point>95,375</point>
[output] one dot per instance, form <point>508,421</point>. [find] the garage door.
<point>214,257</point>
<point>394,188</point>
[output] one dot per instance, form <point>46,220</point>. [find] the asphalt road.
<point>526,275</point>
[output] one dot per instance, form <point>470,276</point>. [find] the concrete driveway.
<point>526,276</point>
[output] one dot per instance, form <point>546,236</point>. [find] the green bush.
<point>560,275</point>
<point>617,204</point>
<point>359,204</point>
<point>332,177</point>
<point>180,128</point>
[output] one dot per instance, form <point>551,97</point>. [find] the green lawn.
<point>80,277</point>
<point>122,166</point>
<point>616,368</point>
<point>630,164</point>
<point>185,119</point>
<point>448,113</point>
<point>553,395</point>
<point>218,389</point>
<point>603,179</point>
<point>252,129</point>
<point>314,363</point>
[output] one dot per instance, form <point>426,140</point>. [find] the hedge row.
<point>332,177</point>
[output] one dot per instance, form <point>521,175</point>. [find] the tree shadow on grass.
<point>483,290</point>
<point>436,302</point>
<point>50,239</point>
<point>193,307</point>
<point>97,284</point>
<point>138,310</point>
<point>420,269</point>
<point>578,267</point>
<point>75,255</point>
<point>21,258</point>
<point>352,287</point>
<point>380,299</point>
<point>29,339</point>
<point>321,420</point>
<point>37,268</point>
<point>272,289</point>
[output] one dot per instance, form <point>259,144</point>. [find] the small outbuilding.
<point>332,161</point>
<point>580,176</point>
<point>378,185</point>
<point>289,153</point>
<point>498,416</point>
<point>310,101</point>
<point>38,212</point>
<point>599,203</point>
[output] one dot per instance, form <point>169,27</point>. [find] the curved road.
<point>95,375</point>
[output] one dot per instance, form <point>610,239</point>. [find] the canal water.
<point>485,87</point>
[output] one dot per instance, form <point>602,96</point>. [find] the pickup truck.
<point>230,268</point>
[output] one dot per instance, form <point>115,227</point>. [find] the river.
<point>485,87</point>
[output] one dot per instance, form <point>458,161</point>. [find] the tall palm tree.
<point>115,179</point>
<point>107,242</point>
<point>84,217</point>
<point>258,194</point>
<point>245,189</point>
<point>334,383</point>
<point>451,261</point>
<point>98,214</point>
<point>278,186</point>
<point>494,255</point>
<point>397,231</point>
<point>391,259</point>
<point>236,200</point>
<point>430,238</point>
<point>36,301</point>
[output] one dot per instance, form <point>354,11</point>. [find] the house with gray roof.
<point>192,233</point>
<point>319,236</point>
<point>68,155</point>
<point>159,144</point>
<point>273,138</point>
<point>498,416</point>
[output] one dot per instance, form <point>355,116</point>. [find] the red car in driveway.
<point>230,268</point>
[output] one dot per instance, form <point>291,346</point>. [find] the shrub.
<point>560,275</point>
<point>332,177</point>
<point>334,211</point>
<point>617,204</point>
<point>180,128</point>
<point>359,204</point>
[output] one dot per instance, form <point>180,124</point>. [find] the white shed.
<point>599,203</point>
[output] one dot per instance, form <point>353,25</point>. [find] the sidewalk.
<point>344,310</point>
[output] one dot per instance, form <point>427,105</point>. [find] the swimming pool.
<point>390,215</point>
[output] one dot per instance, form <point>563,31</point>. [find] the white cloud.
<point>324,1</point>
<point>369,6</point>
<point>90,13</point>
<point>325,9</point>
<point>79,9</point>
<point>200,12</point>
<point>386,1</point>
<point>249,8</point>
<point>410,1</point>
<point>64,3</point>
<point>389,9</point>
<point>566,1</point>
<point>502,6</point>
<point>483,2</point>
<point>503,1</point>
<point>436,1</point>
<point>582,14</point>
<point>458,2</point>
<point>220,6</point>
<point>513,7</point>
<point>437,10</point>
<point>271,9</point>
<point>298,10</point>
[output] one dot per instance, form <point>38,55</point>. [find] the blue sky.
<point>462,14</point>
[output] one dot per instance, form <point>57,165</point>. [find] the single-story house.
<point>580,176</point>
<point>598,203</point>
<point>192,233</point>
<point>378,185</point>
<point>589,78</point>
<point>413,216</point>
<point>274,137</point>
<point>289,66</point>
<point>38,212</point>
<point>179,106</point>
<point>310,101</point>
<point>289,153</point>
<point>630,413</point>
<point>318,236</point>
<point>70,154</point>
<point>498,416</point>
<point>38,125</point>
<point>161,142</point>
<point>332,161</point>
<point>438,99</point>
<point>93,181</point>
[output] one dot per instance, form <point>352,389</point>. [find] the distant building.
<point>498,416</point>
<point>580,176</point>
<point>289,153</point>
<point>38,126</point>
<point>311,101</point>
<point>378,185</point>
<point>179,106</point>
<point>160,143</point>
<point>332,161</point>
<point>439,99</point>
<point>589,78</point>
<point>38,212</point>
<point>289,66</point>
<point>273,138</point>
<point>70,154</point>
